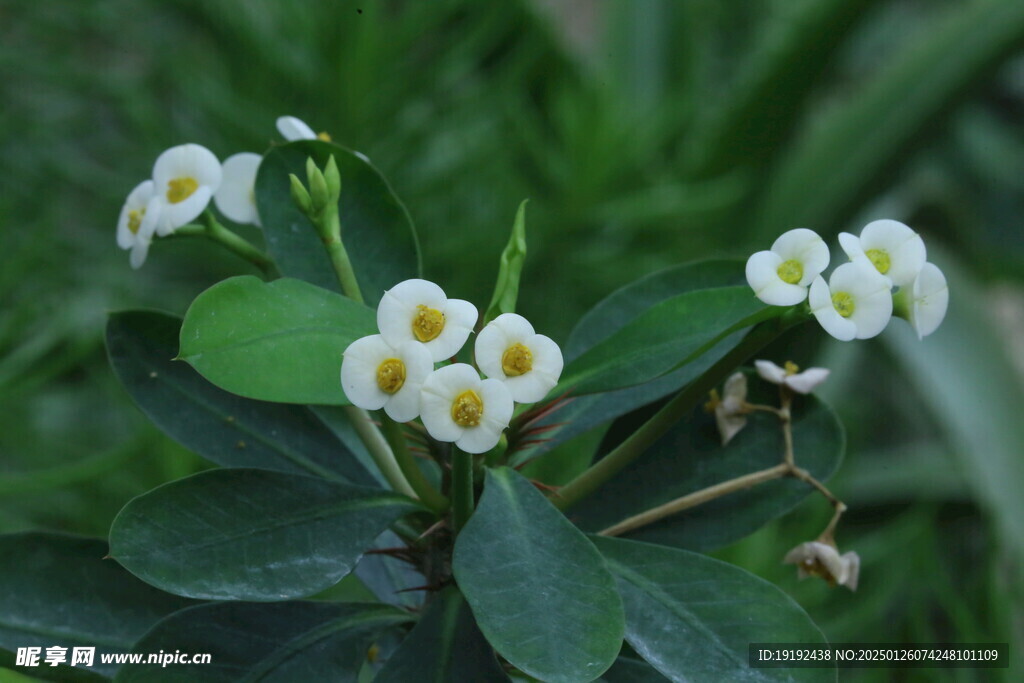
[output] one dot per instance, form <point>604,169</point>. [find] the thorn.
<point>436,526</point>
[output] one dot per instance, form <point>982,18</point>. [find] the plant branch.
<point>676,409</point>
<point>409,468</point>
<point>462,489</point>
<point>236,244</point>
<point>379,450</point>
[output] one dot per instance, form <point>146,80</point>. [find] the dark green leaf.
<point>690,457</point>
<point>445,646</point>
<point>510,267</point>
<point>375,227</point>
<point>692,617</point>
<point>538,588</point>
<point>58,590</point>
<point>664,338</point>
<point>225,428</point>
<point>276,341</point>
<point>629,670</point>
<point>244,534</point>
<point>290,641</point>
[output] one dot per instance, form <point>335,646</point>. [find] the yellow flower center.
<point>843,303</point>
<point>880,258</point>
<point>391,375</point>
<point>427,323</point>
<point>135,220</point>
<point>791,271</point>
<point>791,368</point>
<point>322,135</point>
<point>467,409</point>
<point>180,189</point>
<point>517,360</point>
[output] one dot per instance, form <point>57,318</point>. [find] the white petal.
<point>769,371</point>
<point>397,308</point>
<point>138,253</point>
<point>292,129</point>
<point>931,299</point>
<point>498,405</point>
<point>139,198</point>
<point>820,300</point>
<point>404,405</point>
<point>439,391</point>
<point>734,393</point>
<point>479,439</point>
<point>805,246</point>
<point>459,318</point>
<point>359,367</point>
<point>173,216</point>
<point>488,349</point>
<point>851,245</point>
<point>528,388</point>
<point>852,562</point>
<point>872,313</point>
<point>729,425</point>
<point>763,277</point>
<point>905,248</point>
<point>805,382</point>
<point>187,161</point>
<point>234,197</point>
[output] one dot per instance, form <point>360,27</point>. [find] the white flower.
<point>529,364</point>
<point>419,310</point>
<point>924,304</point>
<point>780,276</point>
<point>456,405</point>
<point>292,129</point>
<point>236,196</point>
<point>137,223</point>
<point>186,177</point>
<point>815,558</point>
<point>374,375</point>
<point>888,246</point>
<point>730,410</point>
<point>790,376</point>
<point>855,304</point>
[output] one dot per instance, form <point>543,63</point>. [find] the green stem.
<point>462,488</point>
<point>430,496</point>
<point>240,246</point>
<point>379,450</point>
<point>676,409</point>
<point>330,231</point>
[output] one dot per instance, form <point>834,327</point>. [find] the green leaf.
<point>375,227</point>
<point>690,457</point>
<point>445,645</point>
<point>611,315</point>
<point>692,617</point>
<point>278,341</point>
<point>538,588</point>
<point>225,428</point>
<point>961,373</point>
<point>629,670</point>
<point>59,590</point>
<point>857,146</point>
<point>664,338</point>
<point>506,290</point>
<point>246,534</point>
<point>289,641</point>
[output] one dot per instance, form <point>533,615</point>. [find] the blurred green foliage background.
<point>645,134</point>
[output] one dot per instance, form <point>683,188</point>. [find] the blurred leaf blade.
<point>860,145</point>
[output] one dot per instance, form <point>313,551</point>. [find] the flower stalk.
<point>462,489</point>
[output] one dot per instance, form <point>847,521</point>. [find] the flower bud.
<point>299,195</point>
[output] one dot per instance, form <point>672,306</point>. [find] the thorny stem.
<point>407,464</point>
<point>676,409</point>
<point>787,468</point>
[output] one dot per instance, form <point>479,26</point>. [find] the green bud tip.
<point>299,194</point>
<point>333,179</point>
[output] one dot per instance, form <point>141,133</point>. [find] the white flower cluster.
<point>857,301</point>
<point>185,179</point>
<point>420,326</point>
